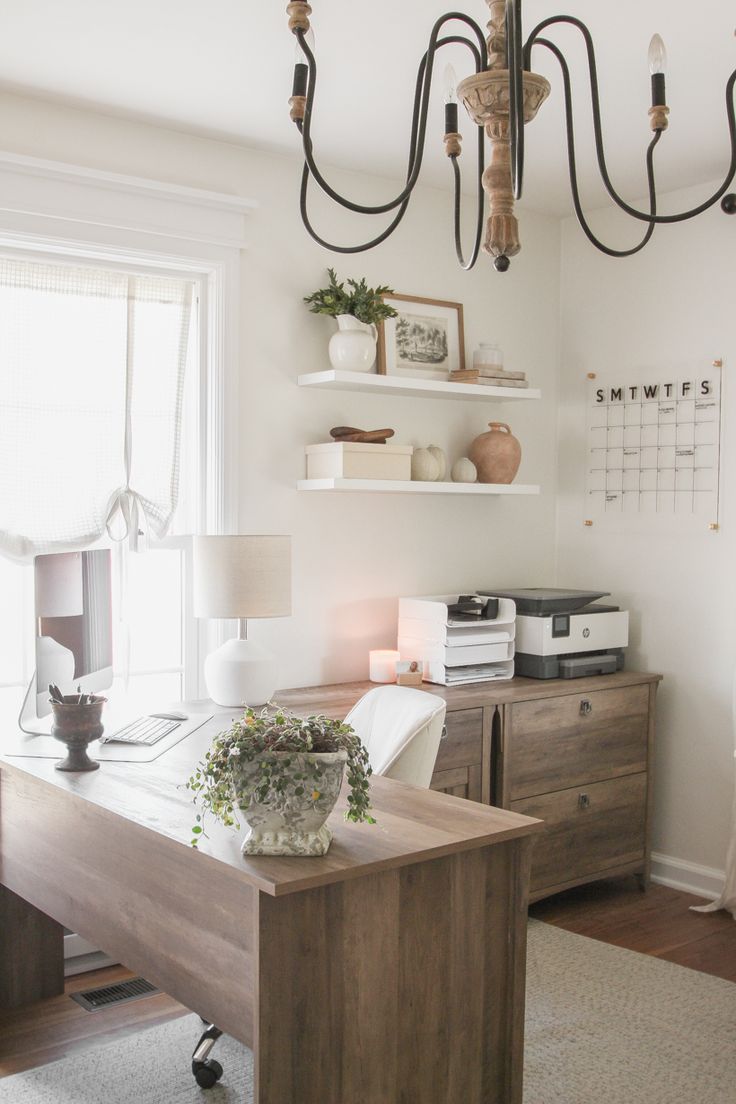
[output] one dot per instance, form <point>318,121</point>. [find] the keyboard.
<point>146,731</point>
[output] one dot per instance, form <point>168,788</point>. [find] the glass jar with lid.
<point>488,355</point>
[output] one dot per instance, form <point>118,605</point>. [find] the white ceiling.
<point>224,68</point>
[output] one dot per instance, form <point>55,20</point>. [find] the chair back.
<point>401,729</point>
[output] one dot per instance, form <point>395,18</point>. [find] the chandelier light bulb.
<point>301,77</point>
<point>451,123</point>
<point>657,55</point>
<point>450,85</point>
<point>300,58</point>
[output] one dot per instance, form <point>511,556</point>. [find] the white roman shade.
<point>91,385</point>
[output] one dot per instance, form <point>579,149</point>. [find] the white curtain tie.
<point>127,507</point>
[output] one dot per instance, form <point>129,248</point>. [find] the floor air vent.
<point>94,1000</point>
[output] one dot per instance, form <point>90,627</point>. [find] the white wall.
<point>353,554</point>
<point>670,305</point>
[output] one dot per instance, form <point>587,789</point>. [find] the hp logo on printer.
<point>586,633</point>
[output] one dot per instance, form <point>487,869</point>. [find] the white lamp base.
<point>241,673</point>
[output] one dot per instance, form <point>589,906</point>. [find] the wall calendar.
<point>654,445</point>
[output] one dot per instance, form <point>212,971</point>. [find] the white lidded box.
<point>358,460</point>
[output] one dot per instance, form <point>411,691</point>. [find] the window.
<point>69,334</point>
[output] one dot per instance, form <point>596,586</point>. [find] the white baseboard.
<point>703,881</point>
<point>84,964</point>
<point>80,956</point>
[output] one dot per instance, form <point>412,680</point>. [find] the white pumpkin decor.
<point>464,471</point>
<point>441,459</point>
<point>424,466</point>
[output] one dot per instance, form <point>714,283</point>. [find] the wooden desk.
<point>389,971</point>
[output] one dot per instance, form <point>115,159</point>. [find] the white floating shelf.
<point>398,486</point>
<point>335,380</point>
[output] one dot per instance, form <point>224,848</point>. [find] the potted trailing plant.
<point>357,312</point>
<point>283,774</point>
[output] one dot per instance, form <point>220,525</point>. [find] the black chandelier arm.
<point>467,265</point>
<point>516,66</point>
<point>419,118</point>
<point>403,206</point>
<point>598,130</point>
<point>570,128</point>
<point>345,248</point>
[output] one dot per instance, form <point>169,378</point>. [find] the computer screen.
<point>73,607</point>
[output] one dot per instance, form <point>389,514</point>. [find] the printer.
<point>566,633</point>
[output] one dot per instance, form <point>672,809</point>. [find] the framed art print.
<point>424,340</point>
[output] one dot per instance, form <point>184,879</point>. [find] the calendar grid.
<point>654,448</point>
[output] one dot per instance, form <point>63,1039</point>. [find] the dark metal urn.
<point>77,726</point>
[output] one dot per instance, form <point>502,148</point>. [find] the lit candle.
<point>383,665</point>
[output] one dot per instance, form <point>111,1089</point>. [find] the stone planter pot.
<point>353,347</point>
<point>290,822</point>
<point>77,726</point>
<point>496,454</point>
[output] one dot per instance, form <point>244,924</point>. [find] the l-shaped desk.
<point>391,970</point>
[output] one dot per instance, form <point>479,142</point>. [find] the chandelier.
<point>501,95</point>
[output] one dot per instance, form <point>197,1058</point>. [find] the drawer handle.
<point>583,801</point>
<point>586,707</point>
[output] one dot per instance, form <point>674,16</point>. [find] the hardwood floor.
<point>658,923</point>
<point>57,1027</point>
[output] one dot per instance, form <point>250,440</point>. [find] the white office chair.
<point>401,729</point>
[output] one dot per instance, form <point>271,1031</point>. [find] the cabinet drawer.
<point>460,782</point>
<point>463,744</point>
<point>555,743</point>
<point>587,829</point>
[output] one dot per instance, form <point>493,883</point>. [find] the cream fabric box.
<point>356,460</point>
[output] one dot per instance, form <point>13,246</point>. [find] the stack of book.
<point>491,376</point>
<point>451,652</point>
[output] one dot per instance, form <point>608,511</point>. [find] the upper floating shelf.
<point>336,380</point>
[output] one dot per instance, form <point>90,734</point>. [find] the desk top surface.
<point>413,825</point>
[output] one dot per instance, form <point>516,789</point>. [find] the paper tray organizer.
<point>453,652</point>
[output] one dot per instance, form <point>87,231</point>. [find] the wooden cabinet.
<point>581,762</point>
<point>460,767</point>
<point>575,753</point>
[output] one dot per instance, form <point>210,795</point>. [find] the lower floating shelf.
<point>397,486</point>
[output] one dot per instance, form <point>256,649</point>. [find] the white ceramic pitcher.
<point>353,347</point>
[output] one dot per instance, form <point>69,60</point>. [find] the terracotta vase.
<point>496,454</point>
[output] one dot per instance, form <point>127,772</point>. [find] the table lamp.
<point>243,577</point>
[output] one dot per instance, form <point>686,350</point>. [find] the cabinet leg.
<point>642,880</point>
<point>31,953</point>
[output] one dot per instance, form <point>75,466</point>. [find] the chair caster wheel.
<point>208,1073</point>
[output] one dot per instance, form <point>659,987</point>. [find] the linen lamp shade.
<point>243,577</point>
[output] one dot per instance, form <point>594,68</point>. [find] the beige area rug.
<point>603,1024</point>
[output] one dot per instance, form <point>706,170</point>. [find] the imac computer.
<point>74,651</point>
<point>73,617</point>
